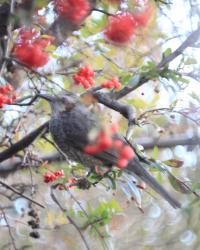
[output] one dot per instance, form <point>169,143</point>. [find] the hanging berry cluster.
<point>105,140</point>
<point>7,96</point>
<point>123,26</point>
<point>30,48</point>
<point>74,10</point>
<point>120,28</point>
<point>53,176</point>
<point>113,83</point>
<point>50,177</point>
<point>125,152</point>
<point>84,77</point>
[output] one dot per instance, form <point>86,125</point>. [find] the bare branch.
<point>20,194</point>
<point>23,143</point>
<point>149,143</point>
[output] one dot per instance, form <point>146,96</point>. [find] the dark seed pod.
<point>34,235</point>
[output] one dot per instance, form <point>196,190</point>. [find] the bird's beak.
<point>46,97</point>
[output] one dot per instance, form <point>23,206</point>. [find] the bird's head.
<point>62,102</point>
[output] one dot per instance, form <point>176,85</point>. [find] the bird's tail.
<point>136,167</point>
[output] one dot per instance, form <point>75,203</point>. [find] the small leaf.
<point>155,153</point>
<point>137,103</point>
<point>174,163</point>
<point>190,61</point>
<point>179,185</point>
<point>50,48</point>
<point>167,52</point>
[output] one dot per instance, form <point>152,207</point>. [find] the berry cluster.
<point>113,83</point>
<point>50,177</point>
<point>71,182</point>
<point>84,77</point>
<point>125,152</point>
<point>102,143</point>
<point>5,95</point>
<point>30,48</point>
<point>106,141</point>
<point>120,28</point>
<point>74,10</point>
<point>123,26</point>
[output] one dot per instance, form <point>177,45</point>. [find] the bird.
<point>70,125</point>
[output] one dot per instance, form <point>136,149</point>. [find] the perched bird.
<point>70,124</point>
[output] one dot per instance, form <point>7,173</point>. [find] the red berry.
<point>122,163</point>
<point>116,83</point>
<point>27,34</point>
<point>9,87</point>
<point>118,144</point>
<point>113,83</point>
<point>71,180</point>
<point>3,90</point>
<point>8,101</point>
<point>59,173</point>
<point>91,149</point>
<point>105,143</point>
<point>14,96</point>
<point>127,152</point>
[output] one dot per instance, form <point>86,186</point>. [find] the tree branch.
<point>23,143</point>
<point>192,39</point>
<point>147,143</point>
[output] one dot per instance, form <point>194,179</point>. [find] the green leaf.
<point>167,52</point>
<point>179,185</point>
<point>50,48</point>
<point>138,103</point>
<point>155,153</point>
<point>174,163</point>
<point>41,3</point>
<point>190,61</point>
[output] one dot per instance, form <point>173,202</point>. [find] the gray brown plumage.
<point>70,125</point>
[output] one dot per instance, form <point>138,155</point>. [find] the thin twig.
<point>86,214</point>
<point>69,218</point>
<point>9,229</point>
<point>103,11</point>
<point>23,143</point>
<point>20,194</point>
